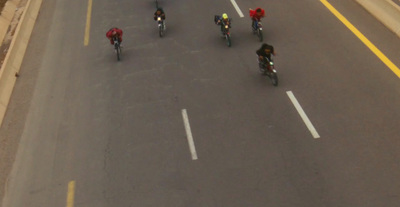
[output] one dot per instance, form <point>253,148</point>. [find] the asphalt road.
<point>116,128</point>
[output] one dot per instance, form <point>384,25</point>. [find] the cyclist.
<point>114,32</point>
<point>264,53</point>
<point>256,16</point>
<point>159,13</point>
<point>222,20</point>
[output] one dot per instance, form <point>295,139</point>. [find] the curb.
<point>386,11</point>
<point>16,52</point>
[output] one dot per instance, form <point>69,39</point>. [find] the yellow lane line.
<point>88,17</point>
<point>71,194</point>
<point>368,43</point>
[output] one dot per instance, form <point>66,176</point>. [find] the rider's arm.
<point>155,15</point>
<point>251,13</point>
<point>119,32</point>
<point>260,55</point>
<point>108,35</point>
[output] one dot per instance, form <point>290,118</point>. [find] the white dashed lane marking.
<point>303,115</point>
<point>189,134</point>
<point>237,8</point>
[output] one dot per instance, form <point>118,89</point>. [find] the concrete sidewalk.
<point>386,11</point>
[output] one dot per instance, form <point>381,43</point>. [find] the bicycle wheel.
<point>274,79</point>
<point>228,40</point>
<point>118,49</point>
<point>260,35</point>
<point>161,30</point>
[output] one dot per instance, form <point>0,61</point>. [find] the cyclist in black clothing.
<point>264,53</point>
<point>159,13</point>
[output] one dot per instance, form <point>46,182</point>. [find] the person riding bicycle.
<point>222,20</point>
<point>256,16</point>
<point>264,53</point>
<point>159,13</point>
<point>114,32</point>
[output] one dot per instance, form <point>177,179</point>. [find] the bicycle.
<point>257,29</point>
<point>161,26</point>
<point>267,67</point>
<point>117,47</point>
<point>226,33</point>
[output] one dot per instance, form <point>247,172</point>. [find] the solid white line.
<point>237,8</point>
<point>303,115</point>
<point>189,134</point>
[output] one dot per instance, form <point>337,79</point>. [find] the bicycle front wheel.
<point>260,35</point>
<point>118,49</point>
<point>228,40</point>
<point>274,79</point>
<point>161,31</point>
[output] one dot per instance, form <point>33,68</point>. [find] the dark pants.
<point>222,28</point>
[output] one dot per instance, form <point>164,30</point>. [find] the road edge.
<point>16,52</point>
<point>386,11</point>
<point>6,17</point>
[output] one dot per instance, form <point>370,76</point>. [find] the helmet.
<point>224,16</point>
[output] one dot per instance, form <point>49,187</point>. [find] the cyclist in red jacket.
<point>256,16</point>
<point>114,32</point>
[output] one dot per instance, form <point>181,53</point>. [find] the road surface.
<point>96,132</point>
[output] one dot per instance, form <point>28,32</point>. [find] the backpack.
<point>216,18</point>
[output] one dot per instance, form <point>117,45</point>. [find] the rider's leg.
<point>255,22</point>
<point>263,66</point>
